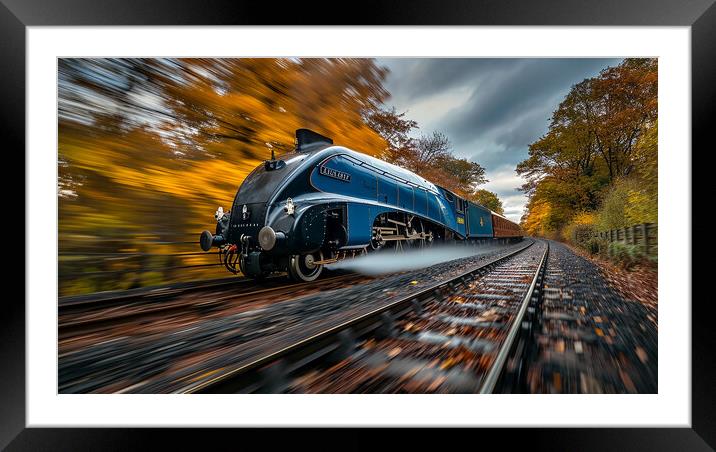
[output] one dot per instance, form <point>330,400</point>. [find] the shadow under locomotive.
<point>323,203</point>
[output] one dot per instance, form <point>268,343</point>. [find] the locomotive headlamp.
<point>219,213</point>
<point>290,208</point>
<point>245,212</point>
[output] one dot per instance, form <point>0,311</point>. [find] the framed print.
<point>413,215</point>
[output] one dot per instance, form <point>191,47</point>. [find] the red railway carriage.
<point>504,228</point>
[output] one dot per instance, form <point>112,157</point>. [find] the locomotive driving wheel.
<point>424,237</point>
<point>376,241</point>
<point>303,267</point>
<point>415,231</point>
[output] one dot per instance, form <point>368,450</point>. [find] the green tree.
<point>601,135</point>
<point>488,199</point>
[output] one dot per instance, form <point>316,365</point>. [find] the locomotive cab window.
<point>460,206</point>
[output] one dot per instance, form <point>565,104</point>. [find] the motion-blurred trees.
<point>601,146</point>
<point>174,138</point>
<point>150,147</point>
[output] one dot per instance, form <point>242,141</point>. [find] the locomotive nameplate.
<point>335,174</point>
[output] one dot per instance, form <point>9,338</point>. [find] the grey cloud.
<point>518,93</point>
<point>509,107</point>
<point>412,79</point>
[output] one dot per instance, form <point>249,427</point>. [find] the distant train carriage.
<point>504,228</point>
<point>322,203</point>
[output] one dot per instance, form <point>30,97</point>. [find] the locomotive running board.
<point>356,252</point>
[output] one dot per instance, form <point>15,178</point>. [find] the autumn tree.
<point>153,146</point>
<point>395,129</point>
<point>593,143</point>
<point>429,152</point>
<point>488,199</point>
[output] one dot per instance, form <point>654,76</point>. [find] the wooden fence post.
<point>636,235</point>
<point>633,235</point>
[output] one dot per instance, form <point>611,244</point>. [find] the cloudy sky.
<point>491,109</point>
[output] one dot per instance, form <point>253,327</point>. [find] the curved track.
<point>454,336</point>
<point>211,333</point>
<point>89,315</point>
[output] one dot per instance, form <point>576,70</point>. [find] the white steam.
<point>388,261</point>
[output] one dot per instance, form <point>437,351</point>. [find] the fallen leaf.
<point>641,354</point>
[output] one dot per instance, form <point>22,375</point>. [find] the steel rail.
<point>490,380</point>
<point>331,337</point>
<point>153,292</point>
<point>138,270</point>
<point>152,307</point>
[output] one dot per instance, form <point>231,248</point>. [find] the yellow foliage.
<point>585,218</point>
<point>121,176</point>
<point>535,223</point>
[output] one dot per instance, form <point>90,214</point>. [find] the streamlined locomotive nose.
<point>268,238</point>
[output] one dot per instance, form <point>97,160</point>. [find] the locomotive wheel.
<point>301,267</point>
<point>428,242</point>
<point>376,244</point>
<point>419,228</point>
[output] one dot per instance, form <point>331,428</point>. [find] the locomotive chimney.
<point>308,140</point>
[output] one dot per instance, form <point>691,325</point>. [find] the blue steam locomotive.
<point>323,203</point>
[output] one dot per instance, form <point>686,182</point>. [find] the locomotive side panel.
<point>346,175</point>
<point>455,211</point>
<point>421,201</point>
<point>479,221</point>
<point>460,216</point>
<point>387,190</point>
<point>338,174</point>
<point>360,222</point>
<point>406,197</point>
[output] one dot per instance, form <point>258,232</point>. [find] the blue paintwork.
<point>379,183</point>
<point>455,210</point>
<point>478,228</point>
<point>376,187</point>
<point>360,222</point>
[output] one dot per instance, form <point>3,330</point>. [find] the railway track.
<point>88,315</point>
<point>453,336</point>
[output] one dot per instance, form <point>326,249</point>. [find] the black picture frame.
<point>700,15</point>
